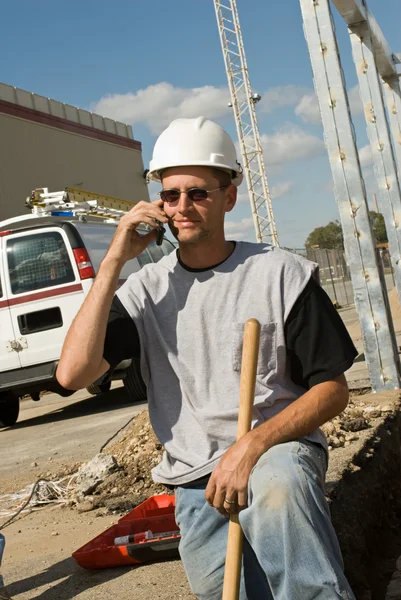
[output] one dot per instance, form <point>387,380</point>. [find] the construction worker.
<point>184,317</point>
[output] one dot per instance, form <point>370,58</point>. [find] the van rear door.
<point>9,355</point>
<point>44,289</point>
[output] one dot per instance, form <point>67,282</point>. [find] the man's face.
<point>196,221</point>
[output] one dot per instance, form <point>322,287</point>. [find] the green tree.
<point>378,226</point>
<point>330,236</point>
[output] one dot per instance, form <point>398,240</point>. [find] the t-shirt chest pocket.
<point>267,357</point>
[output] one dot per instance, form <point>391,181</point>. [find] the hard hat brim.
<point>155,173</point>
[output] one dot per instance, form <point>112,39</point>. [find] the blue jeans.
<point>290,552</point>
<point>2,545</point>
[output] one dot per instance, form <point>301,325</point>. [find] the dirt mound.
<point>136,452</point>
<point>358,416</point>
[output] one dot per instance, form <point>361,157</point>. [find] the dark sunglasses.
<point>194,194</point>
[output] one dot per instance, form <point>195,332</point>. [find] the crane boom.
<point>243,103</point>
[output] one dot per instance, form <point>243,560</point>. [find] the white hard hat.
<point>195,142</point>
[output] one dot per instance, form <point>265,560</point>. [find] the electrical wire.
<point>39,481</point>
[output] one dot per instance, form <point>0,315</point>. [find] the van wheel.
<point>134,383</point>
<point>9,409</point>
<point>99,389</point>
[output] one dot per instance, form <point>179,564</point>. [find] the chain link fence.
<point>335,275</point>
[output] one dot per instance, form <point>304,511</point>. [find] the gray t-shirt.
<point>190,326</point>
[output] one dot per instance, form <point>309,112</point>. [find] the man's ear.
<point>231,197</point>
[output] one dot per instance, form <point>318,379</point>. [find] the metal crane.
<point>243,102</point>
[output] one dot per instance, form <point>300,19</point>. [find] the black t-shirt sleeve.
<point>122,339</point>
<point>319,347</point>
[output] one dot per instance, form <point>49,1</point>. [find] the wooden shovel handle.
<point>232,572</point>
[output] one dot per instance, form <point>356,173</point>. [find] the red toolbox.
<point>147,533</point>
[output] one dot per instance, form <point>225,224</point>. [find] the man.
<point>184,317</point>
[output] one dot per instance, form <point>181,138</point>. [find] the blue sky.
<point>147,62</point>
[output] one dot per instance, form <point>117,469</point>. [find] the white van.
<point>47,267</point>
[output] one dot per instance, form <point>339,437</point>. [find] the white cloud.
<point>281,188</point>
<point>365,156</point>
<point>240,230</point>
<point>289,144</point>
<point>308,108</point>
<point>277,97</point>
<point>243,196</point>
<point>159,104</point>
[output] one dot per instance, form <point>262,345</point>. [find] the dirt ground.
<point>38,563</point>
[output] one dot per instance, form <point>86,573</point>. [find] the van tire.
<point>133,382</point>
<point>95,390</point>
<point>9,409</point>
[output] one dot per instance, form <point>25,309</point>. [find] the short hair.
<point>223,177</point>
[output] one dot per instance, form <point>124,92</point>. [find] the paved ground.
<point>59,431</point>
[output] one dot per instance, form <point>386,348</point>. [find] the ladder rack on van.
<point>75,202</point>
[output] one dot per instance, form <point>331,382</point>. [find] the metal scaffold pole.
<point>243,103</point>
<point>377,126</point>
<point>392,93</point>
<point>370,297</point>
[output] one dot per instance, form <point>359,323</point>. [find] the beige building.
<point>45,143</point>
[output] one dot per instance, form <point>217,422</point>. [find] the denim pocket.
<point>267,358</point>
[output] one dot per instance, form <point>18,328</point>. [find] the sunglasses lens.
<point>169,195</point>
<point>197,194</point>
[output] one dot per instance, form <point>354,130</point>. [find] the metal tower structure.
<point>371,301</point>
<point>243,102</point>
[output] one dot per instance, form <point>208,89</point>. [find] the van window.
<point>97,239</point>
<point>38,261</point>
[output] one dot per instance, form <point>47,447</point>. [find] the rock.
<point>54,533</point>
<point>354,413</point>
<point>94,472</point>
<point>114,490</point>
<point>329,428</point>
<point>371,412</point>
<point>351,436</point>
<point>85,506</point>
<point>387,408</point>
<point>355,425</point>
<point>34,464</point>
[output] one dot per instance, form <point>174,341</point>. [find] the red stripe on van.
<point>77,287</point>
<point>3,303</point>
